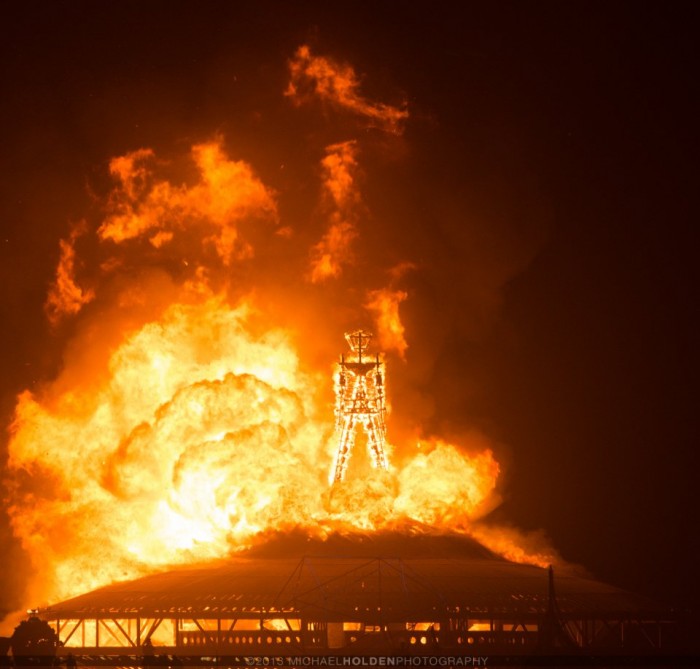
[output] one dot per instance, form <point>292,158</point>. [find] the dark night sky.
<point>578,119</point>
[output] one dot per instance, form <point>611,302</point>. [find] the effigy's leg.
<point>375,443</point>
<point>345,444</point>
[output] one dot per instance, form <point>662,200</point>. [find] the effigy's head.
<point>358,340</point>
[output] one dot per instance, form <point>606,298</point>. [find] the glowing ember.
<point>190,419</point>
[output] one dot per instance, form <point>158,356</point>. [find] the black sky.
<point>574,120</point>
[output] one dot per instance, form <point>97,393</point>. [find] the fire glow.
<point>188,422</point>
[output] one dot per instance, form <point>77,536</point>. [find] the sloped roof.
<point>389,576</point>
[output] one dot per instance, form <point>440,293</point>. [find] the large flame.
<point>199,439</point>
<point>189,421</point>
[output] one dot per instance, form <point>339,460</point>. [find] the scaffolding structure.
<point>359,393</point>
<point>356,606</point>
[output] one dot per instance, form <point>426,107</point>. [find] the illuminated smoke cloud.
<point>338,174</point>
<point>227,194</point>
<point>384,304</point>
<point>337,84</point>
<point>66,297</point>
<point>339,167</point>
